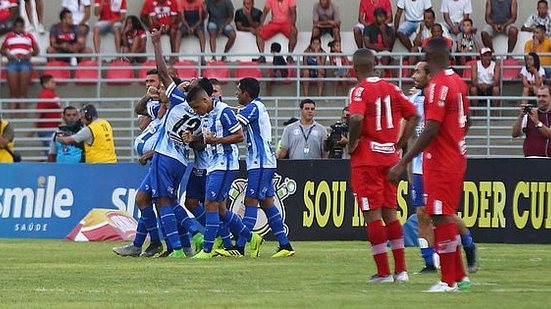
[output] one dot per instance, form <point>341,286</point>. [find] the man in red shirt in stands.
<point>284,19</point>
<point>111,14</point>
<point>48,100</point>
<point>376,110</point>
<point>163,15</point>
<point>444,161</point>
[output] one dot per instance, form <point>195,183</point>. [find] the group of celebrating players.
<point>185,118</point>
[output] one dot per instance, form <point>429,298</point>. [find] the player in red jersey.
<point>444,161</point>
<point>376,110</point>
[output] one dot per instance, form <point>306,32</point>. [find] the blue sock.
<point>276,224</point>
<point>249,220</point>
<point>224,233</point>
<point>171,228</point>
<point>199,214</point>
<point>427,252</point>
<point>467,240</point>
<point>184,224</point>
<point>141,233</point>
<point>211,229</point>
<point>236,225</point>
<point>150,221</point>
<point>163,234</point>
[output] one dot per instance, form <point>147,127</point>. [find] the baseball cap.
<point>485,50</point>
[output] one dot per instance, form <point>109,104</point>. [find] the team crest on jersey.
<point>283,189</point>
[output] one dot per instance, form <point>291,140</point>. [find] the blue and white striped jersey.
<point>258,130</point>
<point>418,100</point>
<point>221,121</point>
<point>180,117</point>
<point>148,138</point>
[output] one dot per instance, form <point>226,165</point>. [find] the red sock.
<point>377,237</point>
<point>459,268</point>
<point>396,237</point>
<point>445,236</point>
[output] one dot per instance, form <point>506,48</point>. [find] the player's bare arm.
<point>355,131</point>
<point>233,138</point>
<point>407,131</point>
<point>159,61</point>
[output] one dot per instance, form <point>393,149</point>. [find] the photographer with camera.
<point>534,122</point>
<point>337,142</point>
<point>67,153</point>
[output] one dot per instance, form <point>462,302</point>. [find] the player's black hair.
<point>63,13</point>
<point>363,56</point>
<point>251,86</point>
<point>69,108</point>
<point>306,101</point>
<point>90,112</point>
<point>45,78</point>
<point>438,45</point>
<point>153,72</point>
<point>206,84</point>
<point>194,93</point>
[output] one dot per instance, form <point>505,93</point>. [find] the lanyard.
<point>306,136</point>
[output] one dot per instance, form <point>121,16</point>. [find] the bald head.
<point>364,63</point>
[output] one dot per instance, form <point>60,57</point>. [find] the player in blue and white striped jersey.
<point>221,132</point>
<point>261,167</point>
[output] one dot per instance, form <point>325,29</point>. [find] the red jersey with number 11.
<point>446,102</point>
<point>383,106</point>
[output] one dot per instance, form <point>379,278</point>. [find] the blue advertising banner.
<point>40,200</point>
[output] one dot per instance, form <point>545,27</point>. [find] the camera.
<point>338,130</point>
<point>528,108</point>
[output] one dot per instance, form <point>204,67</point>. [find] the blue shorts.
<point>213,27</point>
<point>17,66</point>
<point>163,178</point>
<point>219,184</point>
<point>196,185</point>
<point>408,27</point>
<point>259,183</point>
<point>416,190</point>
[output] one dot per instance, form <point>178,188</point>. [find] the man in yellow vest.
<point>97,135</point>
<point>6,142</point>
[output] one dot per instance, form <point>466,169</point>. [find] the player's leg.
<point>251,202</point>
<point>468,245</point>
<point>426,235</point>
<point>212,217</point>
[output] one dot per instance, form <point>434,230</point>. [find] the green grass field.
<point>51,273</point>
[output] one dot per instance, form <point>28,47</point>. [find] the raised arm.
<point>159,61</point>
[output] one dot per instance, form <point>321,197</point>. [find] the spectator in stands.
<point>485,76</point>
<point>19,47</point>
<point>541,17</point>
<point>247,18</point>
<point>111,14</point>
<point>313,61</point>
<point>366,17</point>
<point>540,43</point>
<point>276,73</point>
<point>423,32</point>
<point>64,152</point>
<point>284,19</point>
<point>81,10</point>
<point>221,14</point>
<point>97,136</point>
<point>413,11</point>
<point>7,135</point>
<point>163,15</point>
<point>192,15</point>
<point>326,19</point>
<point>532,75</point>
<point>39,7</point>
<point>48,108</point>
<point>9,11</point>
<point>66,38</point>
<point>305,138</point>
<point>467,42</point>
<point>378,36</point>
<point>500,18</point>
<point>535,123</point>
<point>454,12</point>
<point>216,88</point>
<point>134,39</point>
<point>341,62</point>
<point>437,31</point>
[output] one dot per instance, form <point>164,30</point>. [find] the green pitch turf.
<point>60,274</point>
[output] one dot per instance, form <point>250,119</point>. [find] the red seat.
<point>87,73</point>
<point>467,71</point>
<point>120,72</point>
<point>144,68</point>
<point>60,70</point>
<point>511,69</point>
<point>218,70</point>
<point>248,69</point>
<point>186,69</point>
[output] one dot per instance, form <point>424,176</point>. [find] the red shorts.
<point>371,187</point>
<point>442,191</point>
<point>271,29</point>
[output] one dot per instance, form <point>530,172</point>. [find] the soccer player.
<point>221,133</point>
<point>376,110</point>
<point>261,167</point>
<point>421,80</point>
<point>444,161</point>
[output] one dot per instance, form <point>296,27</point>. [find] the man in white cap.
<point>485,76</point>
